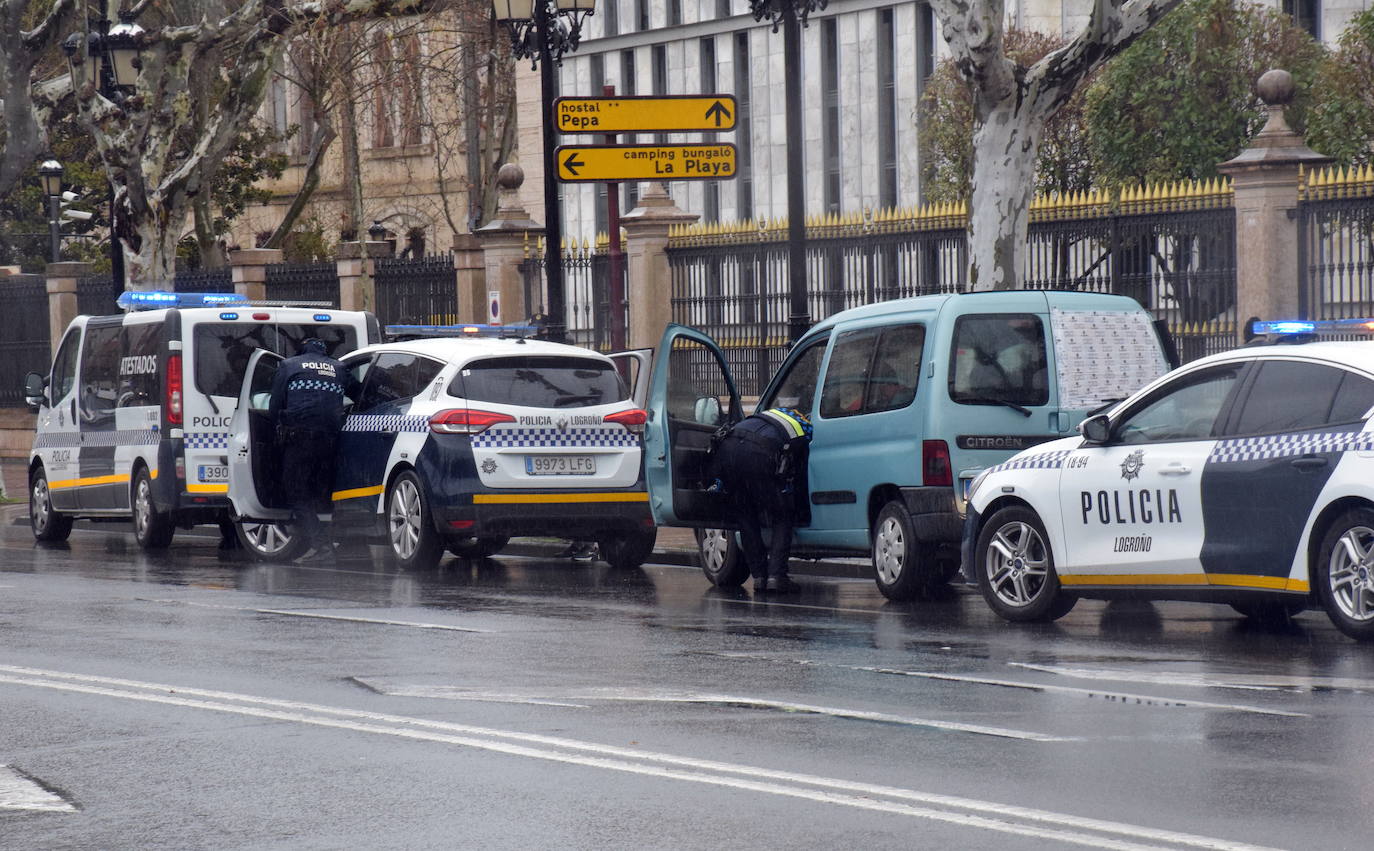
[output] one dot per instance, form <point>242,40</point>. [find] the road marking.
<point>989,815</point>
<point>642,696</point>
<point>317,615</point>
<point>1245,682</point>
<point>18,792</point>
<point>1125,697</point>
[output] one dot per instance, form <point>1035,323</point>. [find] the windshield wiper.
<point>989,400</point>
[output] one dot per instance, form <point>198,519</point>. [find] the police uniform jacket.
<point>785,435</point>
<point>308,393</point>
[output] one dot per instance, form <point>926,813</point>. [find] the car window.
<point>896,369</point>
<point>138,373</point>
<point>695,377</point>
<point>540,381</point>
<point>100,358</point>
<point>1353,400</point>
<point>797,389</point>
<point>357,370</point>
<point>64,366</point>
<point>846,376</point>
<point>222,349</point>
<point>1186,409</point>
<point>999,358</point>
<point>391,379</point>
<point>1288,395</point>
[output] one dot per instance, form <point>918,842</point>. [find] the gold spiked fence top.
<point>1328,184</point>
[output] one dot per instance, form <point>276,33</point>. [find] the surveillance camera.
<point>69,196</point>
<point>77,215</point>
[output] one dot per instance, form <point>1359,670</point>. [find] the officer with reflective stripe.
<point>307,408</point>
<point>758,464</point>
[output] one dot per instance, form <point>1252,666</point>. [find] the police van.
<point>133,417</point>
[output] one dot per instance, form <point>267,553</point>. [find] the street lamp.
<point>791,16</point>
<point>107,58</point>
<point>51,174</point>
<point>542,31</point>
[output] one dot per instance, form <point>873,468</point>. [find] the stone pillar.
<point>648,284</point>
<point>1265,177</point>
<point>504,241</point>
<point>357,265</point>
<point>248,270</point>
<point>62,278</point>
<point>471,270</point>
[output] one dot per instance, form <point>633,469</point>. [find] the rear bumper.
<point>934,514</point>
<point>582,514</point>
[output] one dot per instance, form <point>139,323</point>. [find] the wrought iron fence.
<point>1336,246</point>
<point>417,291</point>
<point>313,282</point>
<point>95,296</point>
<point>204,281</point>
<point>24,337</point>
<point>586,282</point>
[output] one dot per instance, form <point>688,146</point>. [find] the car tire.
<point>722,560</point>
<point>627,551</point>
<point>49,524</point>
<point>903,566</point>
<point>411,536</point>
<point>474,548</point>
<point>1270,612</point>
<point>1015,568</point>
<point>152,528</point>
<point>270,542</point>
<point>1344,573</point>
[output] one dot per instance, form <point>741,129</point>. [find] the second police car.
<point>460,441</point>
<point>1241,478</point>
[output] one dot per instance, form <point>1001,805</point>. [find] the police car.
<point>1244,478</point>
<point>461,438</point>
<point>133,416</point>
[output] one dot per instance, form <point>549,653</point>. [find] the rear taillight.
<point>935,468</point>
<point>172,404</point>
<point>466,421</point>
<point>633,419</point>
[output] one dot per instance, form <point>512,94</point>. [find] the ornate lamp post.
<point>107,58</point>
<point>791,16</point>
<point>542,31</point>
<point>51,173</point>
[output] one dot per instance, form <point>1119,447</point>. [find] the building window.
<point>659,55</point>
<point>722,8</point>
<point>642,14</point>
<point>830,115</point>
<point>397,99</point>
<point>610,13</point>
<point>887,111</point>
<point>674,12</point>
<point>711,201</point>
<point>745,180</point>
<point>410,91</point>
<point>278,117</point>
<point>1306,15</point>
<point>925,46</point>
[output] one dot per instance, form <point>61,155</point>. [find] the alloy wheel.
<point>1017,565</point>
<point>715,546</point>
<point>42,505</point>
<point>1350,573</point>
<point>405,517</point>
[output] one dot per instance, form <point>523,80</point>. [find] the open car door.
<point>252,481</point>
<point>691,394</point>
<point>635,367</point>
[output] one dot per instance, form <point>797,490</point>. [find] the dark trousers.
<point>759,500</point>
<point>307,477</point>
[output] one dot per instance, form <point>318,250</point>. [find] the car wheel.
<point>721,558</point>
<point>1015,568</point>
<point>1270,612</point>
<point>478,547</point>
<point>903,566</point>
<point>410,533</point>
<point>1344,573</point>
<point>629,550</point>
<point>152,528</point>
<point>270,541</point>
<point>48,523</point>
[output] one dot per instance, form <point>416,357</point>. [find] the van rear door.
<point>252,486</point>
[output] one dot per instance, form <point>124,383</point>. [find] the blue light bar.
<point>321,317</point>
<point>156,299</point>
<point>472,330</point>
<point>228,316</point>
<point>1314,326</point>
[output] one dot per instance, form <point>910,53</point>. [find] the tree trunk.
<point>319,146</point>
<point>211,255</point>
<point>153,265</point>
<point>1006,139</point>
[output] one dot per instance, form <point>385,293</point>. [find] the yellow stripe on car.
<point>88,481</point>
<point>354,493</point>
<point>1232,580</point>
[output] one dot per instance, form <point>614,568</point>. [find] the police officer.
<point>307,409</point>
<point>759,464</point>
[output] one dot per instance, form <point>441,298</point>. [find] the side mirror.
<point>35,391</point>
<point>1096,429</point>
<point>707,411</point>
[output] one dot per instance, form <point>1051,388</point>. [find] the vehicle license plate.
<point>213,473</point>
<point>560,465</point>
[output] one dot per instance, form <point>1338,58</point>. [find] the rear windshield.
<point>540,382</point>
<point>223,349</point>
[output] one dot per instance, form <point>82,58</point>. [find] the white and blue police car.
<point>1245,478</point>
<point>462,437</point>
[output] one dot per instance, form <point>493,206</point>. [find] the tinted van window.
<point>846,376</point>
<point>223,349</point>
<point>541,381</point>
<point>99,391</point>
<point>138,366</point>
<point>999,358</point>
<point>64,366</point>
<point>798,388</point>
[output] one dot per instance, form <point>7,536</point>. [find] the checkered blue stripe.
<point>315,384</point>
<point>1281,445</point>
<point>206,439</point>
<point>1039,461</point>
<point>128,437</point>
<point>549,438</point>
<point>386,422</point>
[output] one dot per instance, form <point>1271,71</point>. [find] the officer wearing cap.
<point>307,409</point>
<point>760,463</point>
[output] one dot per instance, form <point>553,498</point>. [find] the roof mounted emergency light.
<point>1312,327</point>
<point>416,332</point>
<point>157,299</point>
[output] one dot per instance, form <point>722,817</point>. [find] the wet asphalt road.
<point>192,700</point>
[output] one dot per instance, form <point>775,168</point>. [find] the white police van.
<point>133,417</point>
<point>462,437</point>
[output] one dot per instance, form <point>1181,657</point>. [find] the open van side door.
<point>691,394</point>
<point>635,366</point>
<point>252,484</point>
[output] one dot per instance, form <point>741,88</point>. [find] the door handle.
<point>1308,463</point>
<point>1175,470</point>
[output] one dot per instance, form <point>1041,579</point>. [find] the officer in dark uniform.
<point>759,464</point>
<point>307,408</point>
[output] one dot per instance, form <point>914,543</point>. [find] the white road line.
<point>847,793</point>
<point>18,792</point>
<point>318,615</point>
<point>1244,682</point>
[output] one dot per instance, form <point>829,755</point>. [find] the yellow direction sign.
<point>612,163</point>
<point>645,114</point>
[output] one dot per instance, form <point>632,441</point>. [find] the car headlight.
<point>977,482</point>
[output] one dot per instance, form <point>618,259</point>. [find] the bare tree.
<point>1011,105</point>
<point>21,52</point>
